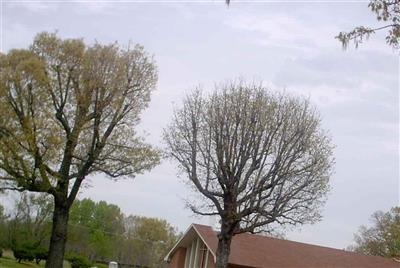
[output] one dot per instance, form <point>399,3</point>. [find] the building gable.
<point>191,251</point>
<point>248,250</point>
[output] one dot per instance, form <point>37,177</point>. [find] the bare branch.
<point>257,157</point>
<point>386,11</point>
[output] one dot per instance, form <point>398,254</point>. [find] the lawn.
<point>8,261</point>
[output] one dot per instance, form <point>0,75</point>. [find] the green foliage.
<point>30,221</point>
<point>8,261</point>
<point>69,110</point>
<point>62,92</point>
<point>29,252</point>
<point>96,228</point>
<point>41,254</point>
<point>98,231</point>
<point>101,231</point>
<point>383,237</point>
<point>97,215</point>
<point>78,261</point>
<point>24,253</point>
<point>147,241</point>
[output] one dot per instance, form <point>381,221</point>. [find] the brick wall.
<point>178,259</point>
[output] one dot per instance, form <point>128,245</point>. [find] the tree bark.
<point>224,248</point>
<point>58,234</point>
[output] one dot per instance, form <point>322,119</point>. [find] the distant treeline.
<point>98,231</point>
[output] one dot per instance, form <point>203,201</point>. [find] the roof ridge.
<point>315,254</point>
<point>199,224</point>
<point>302,243</point>
<point>318,246</point>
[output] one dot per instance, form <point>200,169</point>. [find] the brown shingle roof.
<point>261,251</point>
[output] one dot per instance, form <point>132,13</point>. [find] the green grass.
<point>8,261</point>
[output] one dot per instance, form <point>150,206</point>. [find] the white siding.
<point>194,255</point>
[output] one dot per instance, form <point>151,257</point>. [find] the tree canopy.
<point>69,110</point>
<point>256,158</point>
<point>383,237</point>
<point>98,232</point>
<point>95,229</point>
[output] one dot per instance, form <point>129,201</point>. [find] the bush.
<point>100,265</point>
<point>1,252</point>
<point>24,253</point>
<point>41,254</point>
<point>78,261</point>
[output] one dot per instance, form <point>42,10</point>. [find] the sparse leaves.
<point>387,11</point>
<point>383,237</point>
<point>68,111</point>
<point>255,157</point>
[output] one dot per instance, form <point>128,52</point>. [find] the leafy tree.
<point>96,229</point>
<point>147,241</point>
<point>29,224</point>
<point>387,11</point>
<point>79,240</point>
<point>255,157</point>
<point>101,232</point>
<point>383,237</point>
<point>68,111</point>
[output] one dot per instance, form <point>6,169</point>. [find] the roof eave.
<point>167,258</point>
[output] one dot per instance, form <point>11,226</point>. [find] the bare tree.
<point>68,111</point>
<point>256,157</point>
<point>387,11</point>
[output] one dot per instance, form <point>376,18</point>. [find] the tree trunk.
<point>58,235</point>
<point>223,250</point>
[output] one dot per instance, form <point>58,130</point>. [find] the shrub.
<point>24,253</point>
<point>100,265</point>
<point>1,252</point>
<point>78,261</point>
<point>41,254</point>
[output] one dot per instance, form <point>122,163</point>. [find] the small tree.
<point>256,158</point>
<point>387,11</point>
<point>383,237</point>
<point>30,221</point>
<point>95,229</point>
<point>147,241</point>
<point>68,111</point>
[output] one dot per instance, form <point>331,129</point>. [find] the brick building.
<point>197,249</point>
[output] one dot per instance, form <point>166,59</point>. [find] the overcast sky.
<point>288,45</point>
